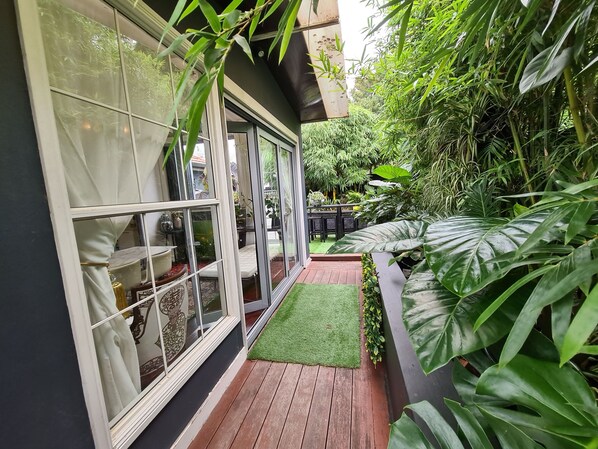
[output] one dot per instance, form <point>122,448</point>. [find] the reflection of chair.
<point>317,226</point>
<point>173,306</point>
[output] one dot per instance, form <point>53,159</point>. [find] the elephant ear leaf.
<point>440,323</point>
<point>463,252</point>
<point>396,236</point>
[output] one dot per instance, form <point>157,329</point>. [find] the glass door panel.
<point>288,209</point>
<point>271,196</point>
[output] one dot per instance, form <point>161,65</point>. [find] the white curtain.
<point>100,169</point>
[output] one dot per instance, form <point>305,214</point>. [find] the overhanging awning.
<point>314,98</point>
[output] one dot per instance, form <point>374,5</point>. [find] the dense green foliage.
<point>485,284</point>
<point>372,309</point>
<point>340,154</point>
<point>496,89</point>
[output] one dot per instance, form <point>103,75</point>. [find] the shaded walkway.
<point>286,406</point>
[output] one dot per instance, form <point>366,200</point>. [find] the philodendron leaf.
<point>392,173</point>
<point>563,407</point>
<point>396,236</point>
<point>404,434</point>
<point>440,323</point>
<point>461,250</point>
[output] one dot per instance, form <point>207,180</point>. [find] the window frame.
<point>124,432</point>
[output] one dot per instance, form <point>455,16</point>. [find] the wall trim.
<point>199,419</point>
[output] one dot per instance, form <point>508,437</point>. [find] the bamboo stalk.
<point>522,163</point>
<point>574,107</point>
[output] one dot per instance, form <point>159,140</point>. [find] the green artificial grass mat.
<point>318,247</point>
<point>316,324</point>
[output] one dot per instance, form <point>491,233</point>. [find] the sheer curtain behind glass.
<point>100,168</point>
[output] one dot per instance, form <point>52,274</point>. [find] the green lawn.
<point>318,247</point>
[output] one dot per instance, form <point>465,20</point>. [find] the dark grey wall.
<point>171,421</point>
<point>40,384</point>
<point>257,81</point>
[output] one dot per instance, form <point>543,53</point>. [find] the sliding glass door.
<point>262,179</point>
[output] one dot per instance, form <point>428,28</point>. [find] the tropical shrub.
<point>488,283</point>
<point>372,309</point>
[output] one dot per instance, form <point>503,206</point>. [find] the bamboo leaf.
<point>192,7</point>
<point>256,19</point>
<point>178,9</point>
<point>560,319</point>
<point>288,30</point>
<point>541,69</point>
<point>582,326</point>
<point>210,15</point>
<point>242,42</point>
<point>579,219</point>
<point>232,6</point>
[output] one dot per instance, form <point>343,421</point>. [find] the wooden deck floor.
<point>286,406</point>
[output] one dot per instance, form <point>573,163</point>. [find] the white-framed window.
<point>143,241</point>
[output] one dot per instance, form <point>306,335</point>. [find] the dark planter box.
<point>406,380</point>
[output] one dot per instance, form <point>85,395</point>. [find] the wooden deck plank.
<point>342,278</point>
<point>334,277</point>
<point>316,429</point>
<point>380,411</point>
<point>310,276</point>
<point>339,429</point>
<point>226,433</point>
<point>250,429</point>
<point>215,419</point>
<point>318,277</point>
<point>302,276</point>
<point>287,406</point>
<point>294,428</point>
<point>275,420</point>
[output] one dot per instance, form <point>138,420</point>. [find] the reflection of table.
<point>126,264</point>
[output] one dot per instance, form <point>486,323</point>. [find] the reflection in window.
<point>148,302</point>
<point>272,210</point>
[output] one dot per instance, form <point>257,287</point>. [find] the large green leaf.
<point>440,323</point>
<point>530,404</point>
<point>582,326</point>
<point>395,236</point>
<point>462,250</point>
<point>564,277</point>
<point>563,407</point>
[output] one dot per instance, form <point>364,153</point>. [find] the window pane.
<point>272,209</point>
<point>286,169</point>
<point>205,228</point>
<point>161,182</point>
<point>148,77</point>
<point>200,170</point>
<point>97,153</point>
<point>213,306</point>
<point>82,50</point>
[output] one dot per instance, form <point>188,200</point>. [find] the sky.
<point>354,18</point>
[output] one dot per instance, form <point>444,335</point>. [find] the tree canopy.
<point>339,154</point>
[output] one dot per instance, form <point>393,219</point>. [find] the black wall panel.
<point>40,384</point>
